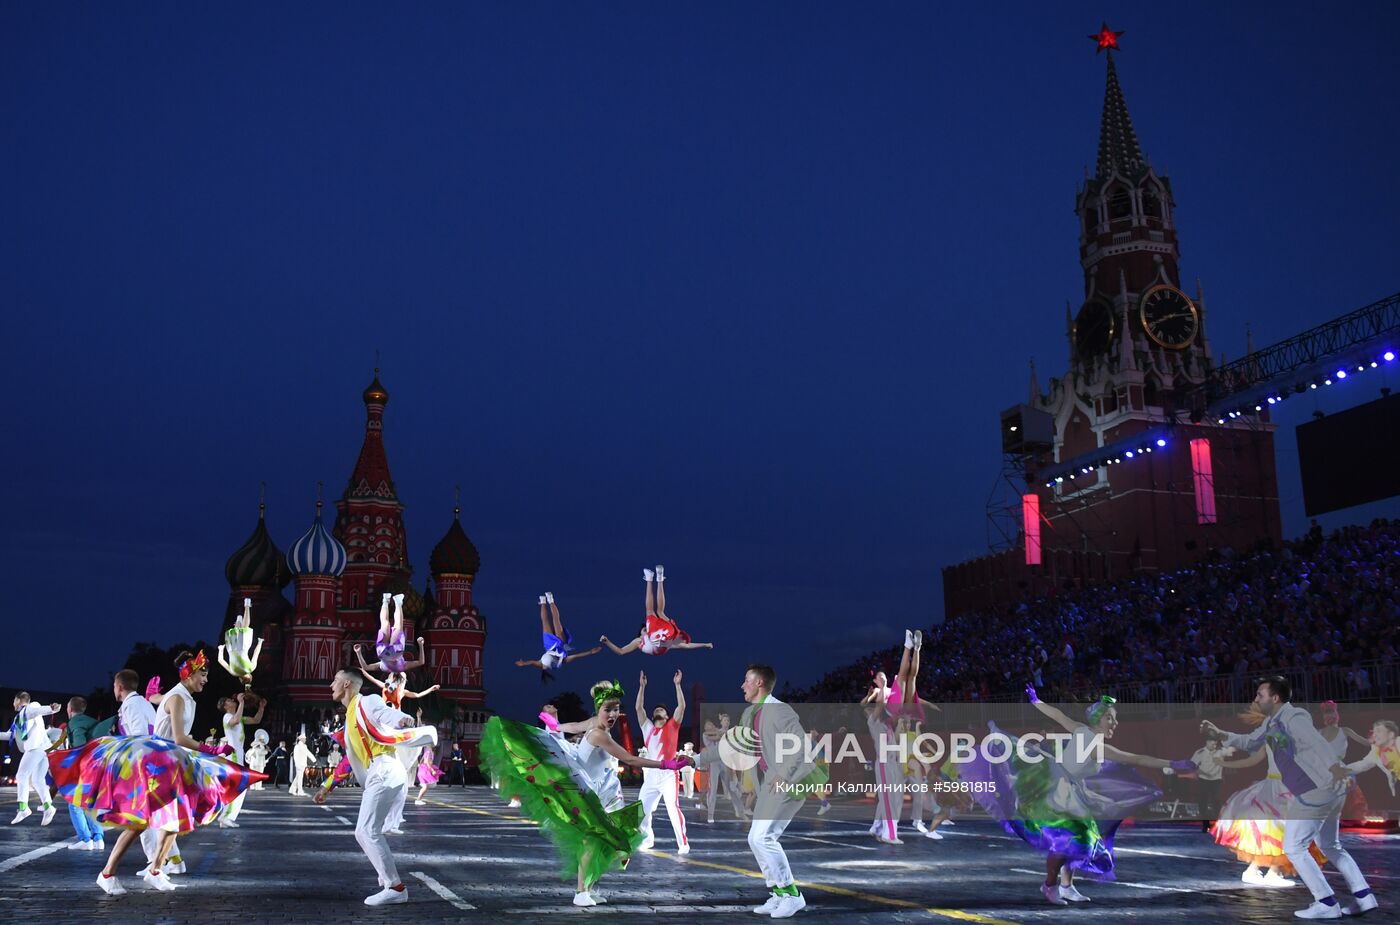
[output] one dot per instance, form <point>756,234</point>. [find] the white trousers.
<point>771,816</point>
<point>720,773</point>
<point>889,797</point>
<point>688,782</point>
<point>1318,816</point>
<point>33,775</point>
<point>662,786</point>
<point>385,783</point>
<point>298,775</point>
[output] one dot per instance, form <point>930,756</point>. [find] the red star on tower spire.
<point>1107,38</point>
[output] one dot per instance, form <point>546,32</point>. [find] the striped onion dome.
<point>317,552</point>
<point>258,562</point>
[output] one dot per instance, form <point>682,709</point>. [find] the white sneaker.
<point>542,601</point>
<point>768,907</point>
<point>174,867</point>
<point>884,839</point>
<point>1319,911</point>
<point>96,845</point>
<point>934,834</point>
<point>514,804</point>
<point>949,822</point>
<point>1253,876</point>
<point>648,576</point>
<point>157,881</point>
<point>1051,892</point>
<point>1072,894</point>
<point>417,802</point>
<point>398,602</point>
<point>580,899</point>
<point>908,639</point>
<point>683,849</point>
<point>710,820</point>
<point>826,808</point>
<point>24,813</point>
<point>920,827</point>
<point>78,846</point>
<point>227,824</point>
<point>660,573</point>
<point>598,898</point>
<point>387,897</point>
<point>549,596</point>
<point>393,832</point>
<point>110,885</point>
<point>48,815</point>
<point>1274,878</point>
<point>1361,906</point>
<point>789,906</point>
<point>918,639</point>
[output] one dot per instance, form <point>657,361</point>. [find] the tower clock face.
<point>1094,328</point>
<point>1170,317</point>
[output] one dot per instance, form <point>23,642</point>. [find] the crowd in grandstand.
<point>1324,609</point>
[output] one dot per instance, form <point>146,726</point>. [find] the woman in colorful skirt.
<point>1251,823</point>
<point>166,783</point>
<point>572,790</point>
<point>1070,806</point>
<point>428,773</point>
<point>558,642</point>
<point>659,634</point>
<point>237,655</point>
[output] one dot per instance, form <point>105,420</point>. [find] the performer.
<point>572,790</point>
<point>394,688</point>
<point>28,730</point>
<point>373,730</point>
<point>783,787</point>
<point>234,721</point>
<point>1251,822</point>
<point>389,644</point>
<point>688,773</point>
<point>718,772</point>
<point>135,716</point>
<point>165,784</point>
<point>238,640</point>
<point>902,697</point>
<point>659,633</point>
<point>1311,772</point>
<point>1070,807</point>
<point>301,758</point>
<point>889,770</point>
<point>1210,763</point>
<point>1337,736</point>
<point>257,756</point>
<point>77,732</point>
<point>428,774</point>
<point>558,642</point>
<point>659,735</point>
<point>1383,754</point>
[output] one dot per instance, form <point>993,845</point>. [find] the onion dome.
<point>317,552</point>
<point>455,554</point>
<point>376,394</point>
<point>258,562</point>
<point>398,583</point>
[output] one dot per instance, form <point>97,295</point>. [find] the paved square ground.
<point>468,858</point>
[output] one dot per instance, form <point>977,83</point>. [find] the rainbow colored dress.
<point>1251,823</point>
<point>572,791</point>
<point>144,782</point>
<point>1066,807</point>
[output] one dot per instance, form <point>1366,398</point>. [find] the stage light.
<point>1272,400</point>
<point>1059,478</point>
<point>1258,408</point>
<point>1388,356</point>
<point>1148,450</point>
<point>1312,385</point>
<point>1326,381</point>
<point>1373,364</point>
<point>1161,441</point>
<point>1221,421</point>
<point>1119,460</point>
<point>1361,369</point>
<point>1071,476</point>
<point>1129,454</point>
<point>1341,374</point>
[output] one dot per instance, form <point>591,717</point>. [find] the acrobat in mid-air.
<point>389,644</point>
<point>558,642</point>
<point>233,654</point>
<point>659,632</point>
<point>394,688</point>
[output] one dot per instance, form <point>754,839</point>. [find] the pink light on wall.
<point>1204,479</point>
<point>1030,522</point>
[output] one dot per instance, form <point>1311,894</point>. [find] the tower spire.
<point>1118,142</point>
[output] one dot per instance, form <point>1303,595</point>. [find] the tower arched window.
<point>1120,204</point>
<point>1151,205</point>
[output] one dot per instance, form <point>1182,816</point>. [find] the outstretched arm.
<point>258,716</point>
<point>529,663</point>
<point>1359,740</point>
<point>1142,761</point>
<point>642,698</point>
<point>691,645</point>
<point>257,650</point>
<point>679,715</point>
<point>578,655</point>
<point>408,693</point>
<point>1249,762</point>
<point>366,669</point>
<point>1054,714</point>
<point>223,662</point>
<point>600,739</point>
<point>422,657</point>
<point>630,647</point>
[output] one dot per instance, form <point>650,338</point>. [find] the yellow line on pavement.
<point>958,914</point>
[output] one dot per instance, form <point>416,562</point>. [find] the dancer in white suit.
<point>659,737</point>
<point>373,733</point>
<point>30,736</point>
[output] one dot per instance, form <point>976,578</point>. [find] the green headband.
<point>604,694</point>
<point>1097,709</point>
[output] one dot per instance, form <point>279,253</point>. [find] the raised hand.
<point>642,681</point>
<point>677,678</point>
<point>1031,694</point>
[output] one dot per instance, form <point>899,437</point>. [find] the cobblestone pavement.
<point>466,857</point>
